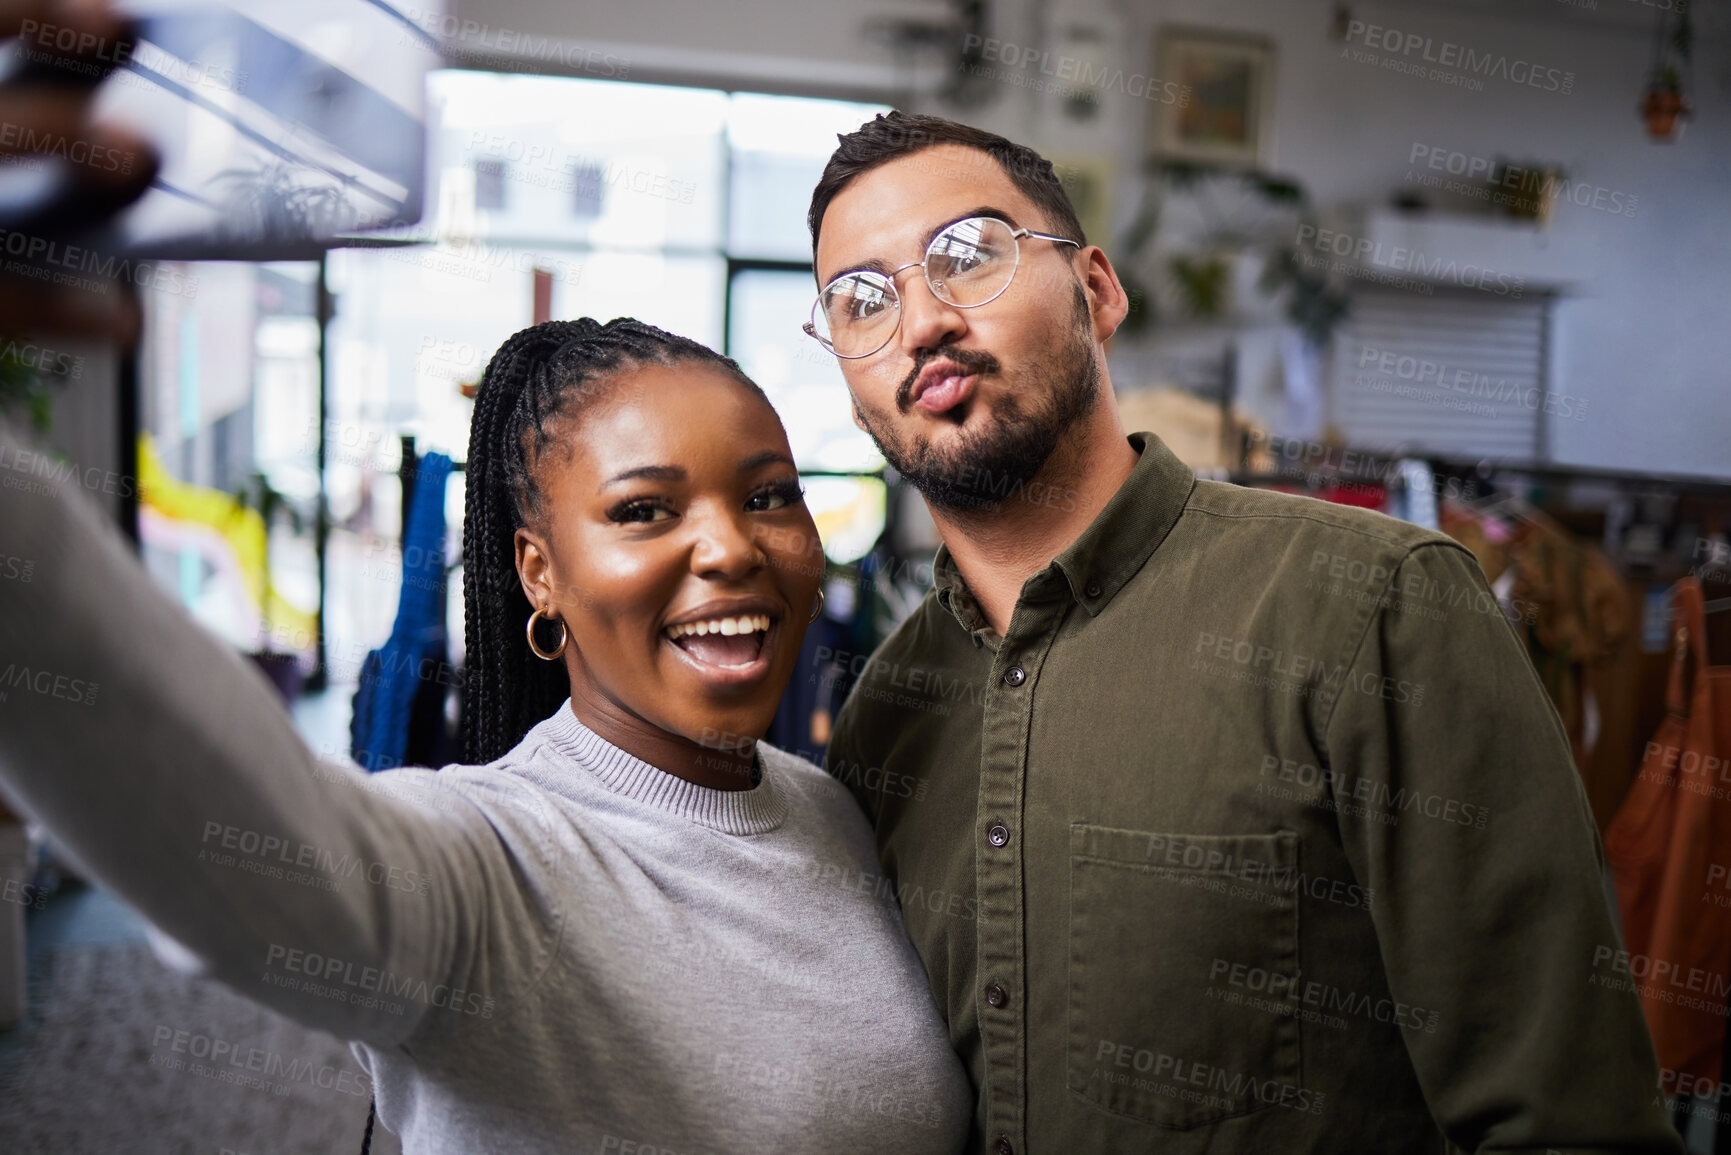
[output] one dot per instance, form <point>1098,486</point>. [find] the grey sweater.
<point>567,950</point>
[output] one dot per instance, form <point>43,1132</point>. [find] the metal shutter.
<point>1454,373</point>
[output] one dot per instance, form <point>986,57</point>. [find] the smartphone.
<point>283,126</point>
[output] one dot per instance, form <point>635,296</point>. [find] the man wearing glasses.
<point>1273,837</point>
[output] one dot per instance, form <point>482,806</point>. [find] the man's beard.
<point>995,464</point>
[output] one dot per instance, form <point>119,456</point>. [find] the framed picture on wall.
<point>1225,115</point>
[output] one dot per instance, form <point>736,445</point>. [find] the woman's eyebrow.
<point>767,457</point>
<point>677,472</point>
<point>652,472</point>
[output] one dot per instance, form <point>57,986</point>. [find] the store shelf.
<point>1462,251</point>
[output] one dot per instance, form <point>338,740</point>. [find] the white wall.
<point>1646,339</point>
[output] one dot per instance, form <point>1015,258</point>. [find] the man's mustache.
<point>973,361</point>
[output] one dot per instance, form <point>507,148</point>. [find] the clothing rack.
<point>410,467</point>
<point>427,727</point>
<point>1681,482</point>
<point>1631,483</point>
<point>407,472</point>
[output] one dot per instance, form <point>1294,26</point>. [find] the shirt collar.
<point>743,812</point>
<point>1115,545</point>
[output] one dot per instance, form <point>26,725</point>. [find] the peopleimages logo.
<point>1067,74</point>
<point>1387,799</point>
<point>1456,60</point>
<point>227,1061</point>
<point>1511,184</point>
<point>1287,991</point>
<point>43,259</point>
<point>42,358</point>
<point>120,62</point>
<point>472,40</point>
<point>477,261</point>
<point>1163,1074</point>
<point>564,171</point>
<point>1440,375</point>
<point>23,138</point>
<point>1295,673</point>
<point>1661,979</point>
<point>262,853</point>
<point>47,683</point>
<point>1400,259</point>
<point>321,971</point>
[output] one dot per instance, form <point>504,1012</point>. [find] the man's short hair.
<point>890,136</point>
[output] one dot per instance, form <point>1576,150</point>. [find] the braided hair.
<point>539,378</point>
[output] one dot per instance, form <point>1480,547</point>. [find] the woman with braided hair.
<point>628,926</point>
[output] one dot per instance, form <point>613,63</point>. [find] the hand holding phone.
<point>62,171</point>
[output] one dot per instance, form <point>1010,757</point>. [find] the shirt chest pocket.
<point>1161,926</point>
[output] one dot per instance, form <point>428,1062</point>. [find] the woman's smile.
<point>729,641</point>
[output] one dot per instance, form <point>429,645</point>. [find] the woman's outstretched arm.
<point>166,765</point>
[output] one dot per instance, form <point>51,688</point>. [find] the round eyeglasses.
<point>967,265</point>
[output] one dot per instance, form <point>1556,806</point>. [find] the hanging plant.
<point>1665,105</point>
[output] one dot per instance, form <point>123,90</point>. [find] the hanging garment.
<point>1301,367</point>
<point>1628,693</point>
<point>411,664</point>
<point>1486,537</point>
<point>1565,599</point>
<point>1669,848</point>
<point>809,704</point>
<point>1579,618</point>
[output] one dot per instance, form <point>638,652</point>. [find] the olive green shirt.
<point>1254,833</point>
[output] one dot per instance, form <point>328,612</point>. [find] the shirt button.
<point>1015,676</point>
<point>998,835</point>
<point>996,996</point>
<point>1093,590</point>
<point>1002,1147</point>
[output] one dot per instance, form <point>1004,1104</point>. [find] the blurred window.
<point>489,184</point>
<point>682,207</point>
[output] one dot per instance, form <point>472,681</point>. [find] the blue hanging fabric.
<point>391,674</point>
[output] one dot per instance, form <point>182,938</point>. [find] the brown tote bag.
<point>1669,847</point>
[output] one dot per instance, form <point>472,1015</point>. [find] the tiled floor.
<point>75,916</point>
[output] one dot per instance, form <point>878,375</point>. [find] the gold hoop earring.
<point>539,652</point>
<point>817,609</point>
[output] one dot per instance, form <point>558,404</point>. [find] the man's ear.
<point>1107,301</point>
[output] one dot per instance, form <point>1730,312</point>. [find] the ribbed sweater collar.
<point>755,811</point>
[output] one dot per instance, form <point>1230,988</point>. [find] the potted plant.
<point>1249,219</point>
<point>23,386</point>
<point>1664,104</point>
